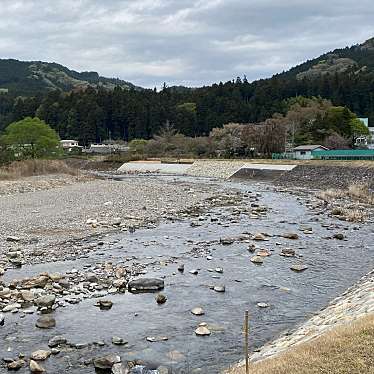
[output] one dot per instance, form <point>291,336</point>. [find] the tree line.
<point>95,115</point>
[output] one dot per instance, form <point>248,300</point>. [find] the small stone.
<point>45,301</point>
<point>146,285</point>
<point>16,365</point>
<point>154,339</point>
<point>290,235</point>
<point>259,237</point>
<point>161,298</point>
<point>339,236</point>
<point>288,252</point>
<point>116,340</point>
<point>13,239</point>
<point>257,260</point>
<point>202,331</point>
<point>198,311</point>
<point>263,305</point>
<point>106,362</point>
<point>120,368</point>
<point>35,367</point>
<point>194,271</point>
<point>220,288</point>
<point>263,253</point>
<point>40,355</point>
<point>56,341</point>
<point>181,268</point>
<point>2,319</point>
<point>298,267</point>
<point>219,270</point>
<point>45,322</point>
<point>104,304</point>
<point>11,307</point>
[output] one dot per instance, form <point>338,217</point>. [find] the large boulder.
<point>146,285</point>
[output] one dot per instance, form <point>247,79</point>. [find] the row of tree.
<point>307,120</point>
<point>96,115</point>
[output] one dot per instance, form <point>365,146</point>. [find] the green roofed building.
<point>344,154</point>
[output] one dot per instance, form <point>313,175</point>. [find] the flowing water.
<point>334,265</point>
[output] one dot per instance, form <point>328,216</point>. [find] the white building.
<point>68,145</point>
<point>304,152</point>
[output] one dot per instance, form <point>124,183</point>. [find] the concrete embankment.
<point>221,169</point>
<point>356,302</point>
<point>327,176</point>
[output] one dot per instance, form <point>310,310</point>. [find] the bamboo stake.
<point>246,337</point>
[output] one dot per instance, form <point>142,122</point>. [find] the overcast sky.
<point>181,42</point>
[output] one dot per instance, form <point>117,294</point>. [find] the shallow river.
<point>334,265</point>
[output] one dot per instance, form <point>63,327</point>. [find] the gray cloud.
<point>192,42</point>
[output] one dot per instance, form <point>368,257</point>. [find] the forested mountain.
<point>345,76</point>
<point>33,77</point>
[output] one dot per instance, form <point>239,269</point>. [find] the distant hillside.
<point>350,60</point>
<point>31,77</point>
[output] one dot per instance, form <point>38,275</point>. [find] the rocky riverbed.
<point>167,289</point>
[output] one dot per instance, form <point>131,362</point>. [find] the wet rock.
<point>161,298</point>
<point>298,267</point>
<point>35,367</point>
<point>2,271</point>
<point>2,319</point>
<point>116,340</point>
<point>181,268</point>
<point>198,311</point>
<point>259,237</point>
<point>16,364</point>
<point>339,236</point>
<point>220,288</point>
<point>288,252</point>
<point>106,362</point>
<point>202,330</point>
<point>263,253</point>
<point>290,235</point>
<point>45,301</point>
<point>257,260</point>
<point>45,322</point>
<point>56,341</point>
<point>104,304</point>
<point>154,339</point>
<point>252,248</point>
<point>27,295</point>
<point>17,262</point>
<point>11,307</point>
<point>146,285</point>
<point>40,355</point>
<point>227,241</point>
<point>120,368</point>
<point>13,239</point>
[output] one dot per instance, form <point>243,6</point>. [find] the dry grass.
<point>344,350</point>
<point>355,192</point>
<point>27,168</point>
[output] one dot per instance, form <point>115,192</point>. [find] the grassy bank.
<point>28,168</point>
<point>345,350</point>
